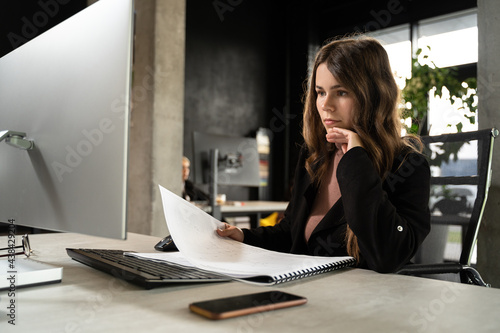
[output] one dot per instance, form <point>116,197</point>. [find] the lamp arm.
<point>17,139</point>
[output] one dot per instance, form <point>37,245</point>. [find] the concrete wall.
<point>156,135</point>
<point>168,107</point>
<point>489,115</point>
<point>140,145</point>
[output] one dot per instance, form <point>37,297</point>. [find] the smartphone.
<point>241,305</point>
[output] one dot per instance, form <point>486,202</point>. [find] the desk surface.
<point>349,300</point>
<point>248,207</point>
<point>255,207</point>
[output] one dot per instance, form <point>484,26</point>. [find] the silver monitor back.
<point>238,159</point>
<point>69,90</point>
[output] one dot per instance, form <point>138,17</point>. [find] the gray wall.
<point>489,116</point>
<point>156,133</point>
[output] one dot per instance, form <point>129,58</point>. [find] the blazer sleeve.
<point>390,218</point>
<point>274,238</point>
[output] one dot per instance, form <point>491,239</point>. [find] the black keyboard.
<point>145,273</point>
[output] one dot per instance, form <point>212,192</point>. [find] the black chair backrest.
<point>460,178</point>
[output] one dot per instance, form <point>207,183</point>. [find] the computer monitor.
<point>68,90</point>
<point>237,162</point>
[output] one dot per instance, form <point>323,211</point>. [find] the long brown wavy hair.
<point>362,66</point>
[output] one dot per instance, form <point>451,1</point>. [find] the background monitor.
<point>68,90</point>
<point>238,159</point>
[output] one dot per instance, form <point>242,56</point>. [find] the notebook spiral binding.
<point>314,271</point>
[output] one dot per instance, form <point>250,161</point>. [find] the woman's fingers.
<point>231,232</point>
<point>347,138</point>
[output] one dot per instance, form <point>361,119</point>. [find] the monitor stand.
<point>212,184</point>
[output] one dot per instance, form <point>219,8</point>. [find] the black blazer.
<point>390,218</point>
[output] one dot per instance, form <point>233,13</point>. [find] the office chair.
<point>460,179</point>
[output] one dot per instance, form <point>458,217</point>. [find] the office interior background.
<point>233,66</point>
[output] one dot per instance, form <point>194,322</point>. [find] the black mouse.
<point>166,244</point>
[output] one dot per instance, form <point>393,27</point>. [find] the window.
<point>453,41</point>
<point>396,42</point>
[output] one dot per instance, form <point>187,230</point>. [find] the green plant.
<point>415,95</point>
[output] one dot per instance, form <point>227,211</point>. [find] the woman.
<point>359,189</point>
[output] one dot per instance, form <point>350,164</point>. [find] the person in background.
<point>189,191</point>
<point>360,188</point>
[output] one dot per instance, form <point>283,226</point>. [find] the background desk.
<point>248,207</point>
<point>349,300</point>
<point>252,208</point>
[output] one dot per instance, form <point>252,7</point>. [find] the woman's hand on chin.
<point>347,138</point>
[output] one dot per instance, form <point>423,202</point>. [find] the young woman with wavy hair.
<point>360,189</point>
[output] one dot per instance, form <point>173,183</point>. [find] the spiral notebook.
<point>271,268</point>
<point>194,233</point>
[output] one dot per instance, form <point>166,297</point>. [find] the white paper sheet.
<point>194,233</point>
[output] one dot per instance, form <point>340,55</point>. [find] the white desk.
<point>350,300</point>
<point>248,207</point>
<point>255,208</point>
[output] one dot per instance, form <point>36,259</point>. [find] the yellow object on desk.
<point>270,220</point>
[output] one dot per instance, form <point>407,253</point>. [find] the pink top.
<point>327,196</point>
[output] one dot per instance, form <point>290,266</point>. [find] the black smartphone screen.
<point>246,304</point>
